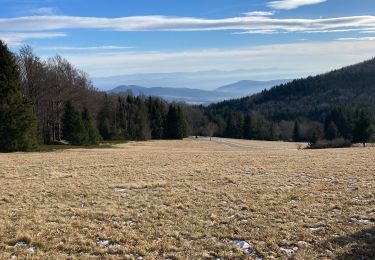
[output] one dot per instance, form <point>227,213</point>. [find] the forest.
<point>49,101</point>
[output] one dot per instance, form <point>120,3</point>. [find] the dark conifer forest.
<point>52,102</point>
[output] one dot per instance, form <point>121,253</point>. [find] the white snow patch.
<point>32,249</point>
<point>103,242</point>
<point>288,250</point>
<point>20,243</point>
<point>315,229</point>
<point>120,189</point>
<point>246,248</point>
<point>114,246</point>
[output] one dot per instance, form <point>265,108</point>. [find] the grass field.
<point>188,199</point>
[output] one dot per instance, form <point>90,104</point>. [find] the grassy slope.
<point>187,199</point>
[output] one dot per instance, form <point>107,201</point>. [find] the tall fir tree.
<point>362,128</point>
<point>175,125</point>
<point>18,131</point>
<point>248,128</point>
<point>157,118</point>
<point>73,129</point>
<point>92,136</point>
<point>104,120</point>
<point>296,132</point>
<point>331,132</point>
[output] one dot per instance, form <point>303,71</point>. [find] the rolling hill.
<point>310,97</point>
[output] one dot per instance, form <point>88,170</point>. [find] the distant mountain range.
<point>198,96</point>
<point>207,80</point>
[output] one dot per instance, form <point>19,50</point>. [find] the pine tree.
<point>157,118</point>
<point>296,132</point>
<point>248,128</point>
<point>104,123</point>
<point>92,135</point>
<point>231,127</point>
<point>18,130</point>
<point>362,129</point>
<point>175,124</point>
<point>331,132</point>
<point>73,128</point>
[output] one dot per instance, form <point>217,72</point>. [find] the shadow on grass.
<point>362,245</point>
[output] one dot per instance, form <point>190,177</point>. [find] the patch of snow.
<point>288,250</point>
<point>114,246</point>
<point>20,243</point>
<point>32,249</point>
<point>244,221</point>
<point>103,242</point>
<point>120,189</point>
<point>13,257</point>
<point>362,199</point>
<point>51,223</point>
<point>362,221</point>
<point>246,248</point>
<point>314,229</point>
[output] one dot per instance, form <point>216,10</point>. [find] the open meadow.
<point>189,199</point>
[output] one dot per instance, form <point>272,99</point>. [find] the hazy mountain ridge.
<point>199,96</point>
<point>249,87</point>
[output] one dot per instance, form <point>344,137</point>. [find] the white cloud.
<point>260,13</point>
<point>44,11</point>
<point>89,48</point>
<point>357,39</point>
<point>163,23</point>
<point>297,59</point>
<point>292,4</point>
<point>16,38</point>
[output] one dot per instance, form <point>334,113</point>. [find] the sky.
<point>280,38</point>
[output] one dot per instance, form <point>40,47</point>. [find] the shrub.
<point>325,144</point>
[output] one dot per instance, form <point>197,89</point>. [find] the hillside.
<point>310,97</point>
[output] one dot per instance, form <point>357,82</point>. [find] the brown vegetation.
<point>188,199</point>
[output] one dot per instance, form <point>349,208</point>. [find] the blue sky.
<point>107,38</point>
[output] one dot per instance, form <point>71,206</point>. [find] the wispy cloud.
<point>44,11</point>
<point>357,39</point>
<point>322,56</point>
<point>260,13</point>
<point>292,4</point>
<point>14,39</point>
<point>88,48</point>
<point>163,23</point>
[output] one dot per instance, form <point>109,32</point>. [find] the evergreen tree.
<point>231,127</point>
<point>331,132</point>
<point>92,135</point>
<point>73,128</point>
<point>249,131</point>
<point>18,130</point>
<point>157,118</point>
<point>175,125</point>
<point>104,122</point>
<point>314,138</point>
<point>296,132</point>
<point>362,129</point>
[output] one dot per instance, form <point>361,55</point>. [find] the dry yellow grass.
<point>188,200</point>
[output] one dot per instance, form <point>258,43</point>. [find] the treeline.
<point>339,105</point>
<point>52,102</point>
<point>341,125</point>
